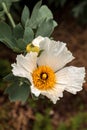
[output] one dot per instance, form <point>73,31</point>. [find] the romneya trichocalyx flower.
<point>47,73</point>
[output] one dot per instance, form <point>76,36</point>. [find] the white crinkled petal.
<point>72,77</point>
<point>19,71</point>
<point>25,65</point>
<point>55,54</point>
<point>35,91</point>
<point>37,41</point>
<point>54,94</point>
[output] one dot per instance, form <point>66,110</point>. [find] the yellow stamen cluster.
<point>43,78</point>
<point>30,47</point>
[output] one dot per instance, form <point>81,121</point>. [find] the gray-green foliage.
<point>7,37</point>
<point>5,34</point>
<point>25,15</point>
<point>33,21</point>
<point>8,5</point>
<point>8,2</point>
<point>19,88</point>
<point>28,34</point>
<point>18,91</point>
<point>47,26</point>
<point>39,23</point>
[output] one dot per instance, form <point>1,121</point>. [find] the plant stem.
<point>8,14</point>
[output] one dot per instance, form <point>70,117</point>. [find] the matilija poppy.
<point>46,72</point>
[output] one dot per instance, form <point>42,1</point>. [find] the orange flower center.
<point>43,78</point>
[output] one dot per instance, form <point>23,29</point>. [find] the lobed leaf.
<point>11,78</point>
<point>28,35</point>
<point>6,35</point>
<point>13,40</point>
<point>21,44</point>
<point>5,31</point>
<point>18,31</point>
<point>33,20</point>
<point>25,15</point>
<point>41,17</point>
<point>18,91</point>
<point>45,12</point>
<point>45,29</point>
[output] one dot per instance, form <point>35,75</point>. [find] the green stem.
<point>8,14</point>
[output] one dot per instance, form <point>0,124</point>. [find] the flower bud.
<point>30,47</point>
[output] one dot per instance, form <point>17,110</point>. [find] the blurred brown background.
<point>70,113</point>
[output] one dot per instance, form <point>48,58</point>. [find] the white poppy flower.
<point>47,73</point>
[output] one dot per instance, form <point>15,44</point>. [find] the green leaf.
<point>18,31</point>
<point>28,35</point>
<point>55,23</point>
<point>62,2</point>
<point>33,22</point>
<point>45,29</point>
<point>21,44</point>
<point>45,12</point>
<point>2,13</point>
<point>9,1</point>
<point>25,15</point>
<point>7,42</point>
<point>12,40</point>
<point>11,43</point>
<point>78,10</point>
<point>18,92</point>
<point>5,31</point>
<point>39,15</point>
<point>6,35</point>
<point>11,77</point>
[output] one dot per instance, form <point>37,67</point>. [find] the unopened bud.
<point>30,47</point>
